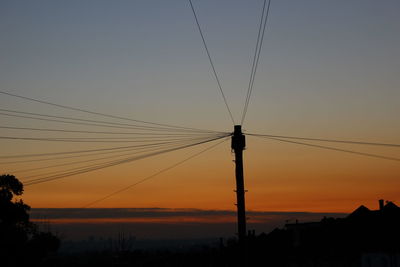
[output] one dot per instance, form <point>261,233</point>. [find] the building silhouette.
<point>366,238</point>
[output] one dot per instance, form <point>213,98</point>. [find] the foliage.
<point>21,243</point>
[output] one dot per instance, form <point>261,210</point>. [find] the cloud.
<point>75,223</point>
<point>63,213</point>
<point>157,215</point>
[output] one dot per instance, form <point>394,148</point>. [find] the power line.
<point>65,153</point>
<point>155,152</point>
<point>121,139</point>
<point>85,154</point>
<point>109,125</point>
<point>71,163</point>
<point>152,149</point>
<point>84,151</point>
<point>152,176</point>
<point>211,62</point>
<point>335,149</point>
<point>74,122</point>
<point>256,58</point>
<point>328,140</point>
<point>80,161</point>
<point>131,152</point>
<point>109,164</point>
<point>95,113</point>
<point>89,140</point>
<point>147,134</point>
<point>55,174</point>
<point>129,126</point>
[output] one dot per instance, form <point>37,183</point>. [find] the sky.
<point>328,69</point>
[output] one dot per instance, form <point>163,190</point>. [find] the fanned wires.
<point>125,188</point>
<point>88,168</point>
<point>256,57</point>
<point>139,139</point>
<point>293,140</point>
<point>211,61</point>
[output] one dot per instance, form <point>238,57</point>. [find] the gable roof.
<point>360,212</point>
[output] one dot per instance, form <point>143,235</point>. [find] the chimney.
<point>381,204</point>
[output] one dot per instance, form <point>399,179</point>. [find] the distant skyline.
<point>328,69</point>
<point>158,223</point>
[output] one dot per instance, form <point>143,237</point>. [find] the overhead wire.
<point>90,154</point>
<point>152,175</point>
<point>211,62</point>
<point>131,152</point>
<point>110,164</point>
<point>334,149</point>
<point>156,152</point>
<point>256,58</point>
<point>54,175</point>
<point>75,123</point>
<point>123,139</point>
<point>75,162</point>
<point>95,113</point>
<point>328,140</point>
<point>105,132</point>
<point>82,169</point>
<point>95,122</point>
<point>87,150</point>
<point>88,140</point>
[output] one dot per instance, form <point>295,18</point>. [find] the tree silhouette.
<point>21,243</point>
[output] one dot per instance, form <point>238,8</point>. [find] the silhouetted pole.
<point>238,145</point>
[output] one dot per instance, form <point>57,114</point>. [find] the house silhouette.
<point>365,238</point>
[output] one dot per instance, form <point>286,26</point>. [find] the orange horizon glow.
<point>317,181</point>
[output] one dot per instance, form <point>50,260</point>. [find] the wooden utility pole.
<point>238,145</point>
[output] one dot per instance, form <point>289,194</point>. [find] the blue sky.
<point>146,58</point>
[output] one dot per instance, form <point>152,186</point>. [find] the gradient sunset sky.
<point>328,69</point>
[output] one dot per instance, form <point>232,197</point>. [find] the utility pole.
<point>238,145</point>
